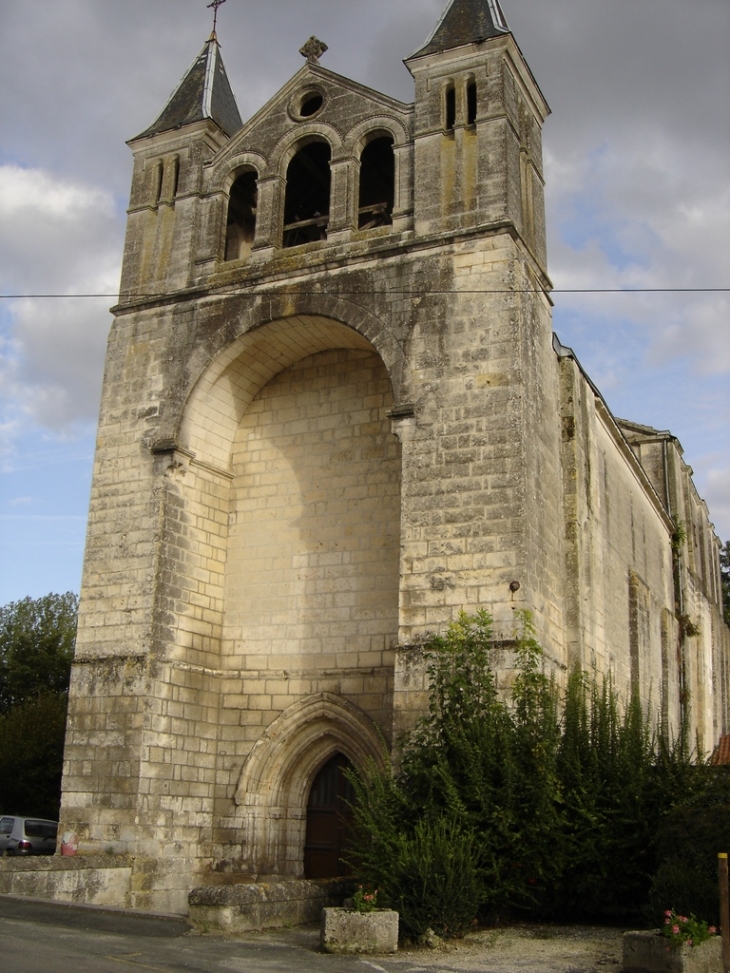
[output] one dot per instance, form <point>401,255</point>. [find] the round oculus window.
<point>307,104</point>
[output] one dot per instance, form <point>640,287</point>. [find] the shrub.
<point>564,809</point>
<point>608,783</point>
<point>688,841</point>
<point>434,880</point>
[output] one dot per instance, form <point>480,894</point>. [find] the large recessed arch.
<point>286,531</point>
<point>220,515</point>
<point>237,374</point>
<point>312,566</point>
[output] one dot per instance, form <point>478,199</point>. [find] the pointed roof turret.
<point>465,22</point>
<point>204,92</point>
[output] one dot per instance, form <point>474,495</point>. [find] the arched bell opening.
<point>307,201</point>
<point>241,224</point>
<point>472,103</point>
<point>377,184</point>
<point>449,108</point>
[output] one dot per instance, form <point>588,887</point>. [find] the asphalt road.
<point>39,937</point>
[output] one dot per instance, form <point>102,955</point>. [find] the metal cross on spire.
<point>214,7</point>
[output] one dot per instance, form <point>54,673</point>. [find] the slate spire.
<point>465,22</point>
<point>204,92</point>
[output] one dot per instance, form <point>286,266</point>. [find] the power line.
<point>356,293</point>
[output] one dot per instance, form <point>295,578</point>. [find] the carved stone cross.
<point>313,50</point>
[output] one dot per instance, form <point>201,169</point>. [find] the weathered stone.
<point>251,906</point>
<point>334,415</point>
<point>346,931</point>
<point>97,880</point>
<point>650,952</point>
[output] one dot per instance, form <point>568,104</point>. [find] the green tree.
<point>31,756</point>
<point>725,573</point>
<point>548,803</point>
<point>37,637</point>
<point>476,793</point>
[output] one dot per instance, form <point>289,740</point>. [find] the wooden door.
<point>329,821</point>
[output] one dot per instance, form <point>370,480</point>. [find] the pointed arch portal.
<point>296,768</point>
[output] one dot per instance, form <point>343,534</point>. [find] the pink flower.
<point>712,931</point>
<point>675,930</point>
<point>667,921</point>
<point>667,912</point>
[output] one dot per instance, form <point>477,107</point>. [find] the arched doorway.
<point>278,778</point>
<point>329,821</point>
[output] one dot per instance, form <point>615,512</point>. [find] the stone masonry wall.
<point>620,585</point>
<point>311,458</point>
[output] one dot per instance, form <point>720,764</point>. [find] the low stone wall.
<point>93,880</point>
<point>155,886</point>
<point>244,908</point>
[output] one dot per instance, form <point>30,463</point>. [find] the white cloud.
<point>25,192</point>
<point>56,237</point>
<point>642,219</point>
<point>9,430</point>
<point>716,493</point>
<point>700,333</point>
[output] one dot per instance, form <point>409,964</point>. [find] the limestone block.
<point>102,880</point>
<point>650,952</point>
<point>346,931</point>
<point>238,908</point>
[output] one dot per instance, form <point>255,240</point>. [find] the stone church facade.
<point>334,414</point>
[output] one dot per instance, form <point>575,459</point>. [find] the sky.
<point>637,157</point>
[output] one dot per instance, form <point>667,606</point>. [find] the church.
<point>334,415</point>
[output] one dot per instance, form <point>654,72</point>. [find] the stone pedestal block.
<point>650,952</point>
<point>345,931</point>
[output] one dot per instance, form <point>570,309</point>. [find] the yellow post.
<point>724,910</point>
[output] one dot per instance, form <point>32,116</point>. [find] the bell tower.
<point>478,129</point>
<point>330,421</point>
<point>197,121</point>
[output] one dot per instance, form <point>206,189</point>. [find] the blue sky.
<point>638,196</point>
<point>44,498</point>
